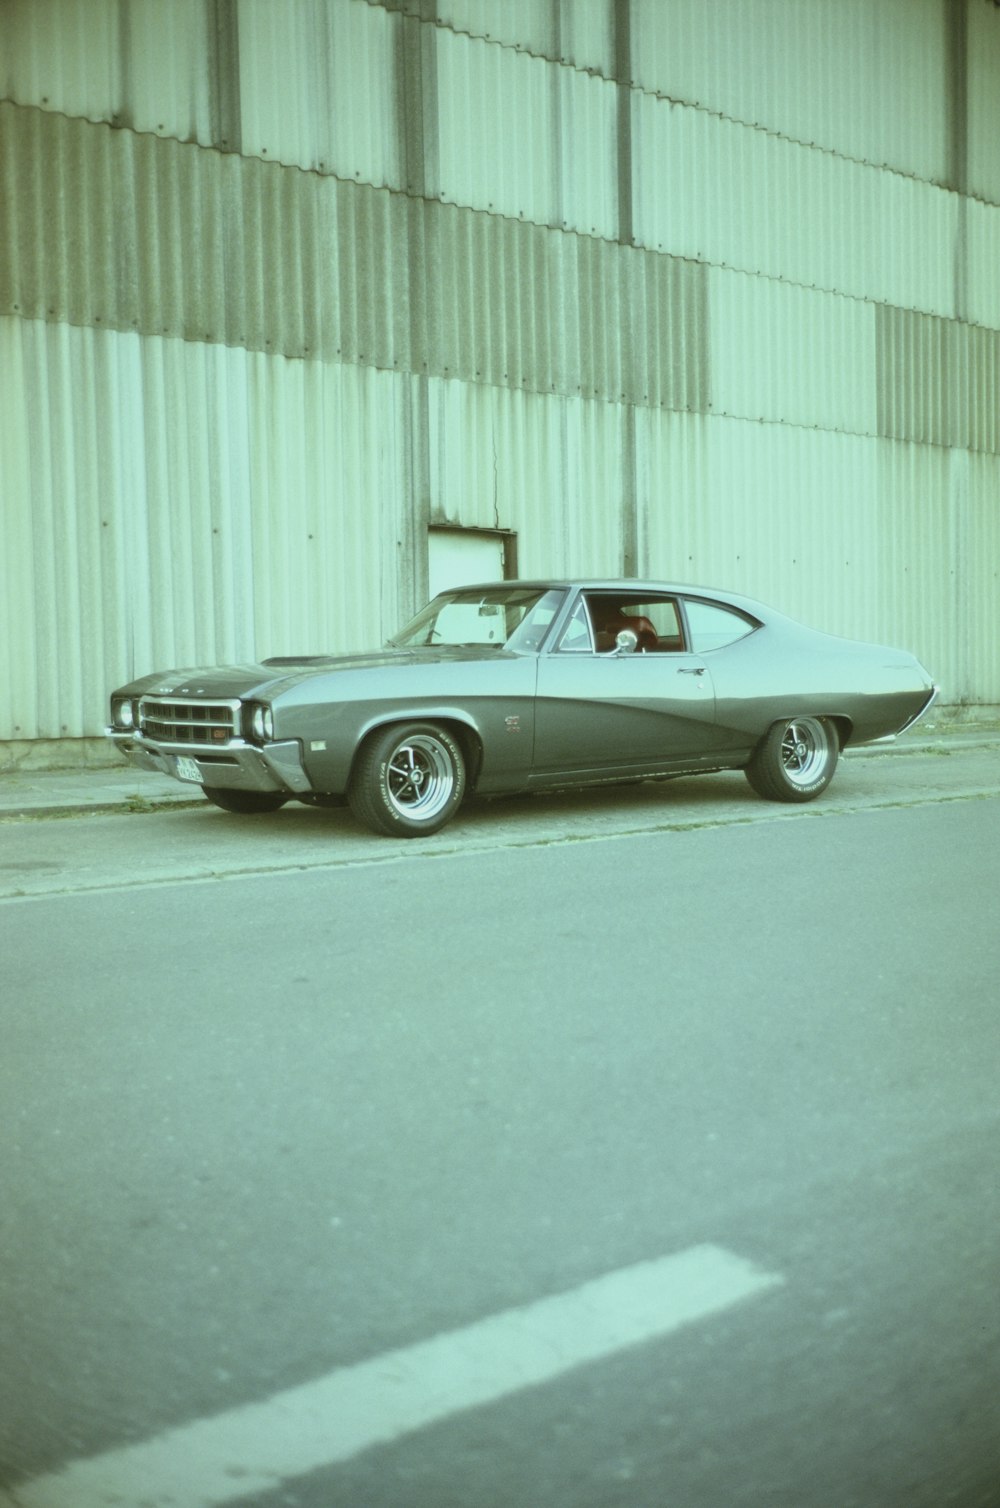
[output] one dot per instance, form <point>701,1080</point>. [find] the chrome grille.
<point>176,720</point>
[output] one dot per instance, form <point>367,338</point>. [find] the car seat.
<point>640,626</point>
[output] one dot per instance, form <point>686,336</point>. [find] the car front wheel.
<point>408,781</point>
<point>244,801</point>
<point>796,760</point>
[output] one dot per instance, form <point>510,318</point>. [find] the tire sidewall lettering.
<point>383,786</point>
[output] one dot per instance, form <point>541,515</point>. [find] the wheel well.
<point>841,723</point>
<point>467,739</point>
<point>844,728</point>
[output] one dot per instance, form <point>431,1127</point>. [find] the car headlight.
<point>262,723</point>
<point>123,713</point>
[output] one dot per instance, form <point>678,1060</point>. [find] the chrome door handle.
<point>690,670</point>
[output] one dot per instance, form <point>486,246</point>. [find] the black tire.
<point>244,801</point>
<point>796,760</point>
<point>408,780</point>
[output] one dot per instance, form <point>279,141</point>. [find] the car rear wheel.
<point>409,780</point>
<point>796,760</point>
<point>244,801</point>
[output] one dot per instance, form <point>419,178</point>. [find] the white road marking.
<point>254,1448</point>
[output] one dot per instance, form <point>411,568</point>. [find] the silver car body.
<point>560,699</point>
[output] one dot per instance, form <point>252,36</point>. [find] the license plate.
<point>187,769</point>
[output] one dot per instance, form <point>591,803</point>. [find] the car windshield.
<point>498,617</point>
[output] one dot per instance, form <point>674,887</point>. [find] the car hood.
<point>281,672</point>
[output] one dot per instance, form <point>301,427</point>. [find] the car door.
<point>601,712</point>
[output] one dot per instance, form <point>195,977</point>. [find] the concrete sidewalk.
<point>63,793</point>
<point>120,788</point>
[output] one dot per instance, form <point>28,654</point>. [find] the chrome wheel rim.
<point>420,778</point>
<point>805,748</point>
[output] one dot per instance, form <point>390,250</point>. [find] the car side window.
<point>654,621</point>
<point>577,636</point>
<point>713,627</point>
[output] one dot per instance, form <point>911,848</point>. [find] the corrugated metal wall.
<point>667,288</point>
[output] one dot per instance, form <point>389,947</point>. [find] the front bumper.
<point>237,766</point>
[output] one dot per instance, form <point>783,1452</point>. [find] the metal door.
<point>462,557</point>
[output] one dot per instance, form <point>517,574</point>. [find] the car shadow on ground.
<point>594,809</point>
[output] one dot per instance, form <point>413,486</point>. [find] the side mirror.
<point>627,641</point>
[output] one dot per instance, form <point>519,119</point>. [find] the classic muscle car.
<point>521,685</point>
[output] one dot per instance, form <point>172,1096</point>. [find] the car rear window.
<point>711,626</point>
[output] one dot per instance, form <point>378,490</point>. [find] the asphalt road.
<point>629,1151</point>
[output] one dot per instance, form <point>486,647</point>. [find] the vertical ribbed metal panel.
<point>871,539</point>
<point>586,152</point>
<point>983,55</point>
<point>170,502</point>
<point>782,513</point>
<point>980,585</point>
<point>101,222</point>
<point>194,584</point>
<point>20,667</point>
<point>496,129</point>
<point>588,530</point>
<point>586,35</point>
<point>498,301</point>
<point>791,355</point>
<point>736,197</point>
<point>317,87</point>
<point>315,80</point>
<point>131,515</point>
<point>527,138</point>
<point>941,534</point>
<point>863,80</point>
<point>63,56</point>
<point>144,64</point>
<point>525,24</point>
<point>168,73</point>
<point>578,32</point>
<point>917,537</point>
<point>326,464</point>
<point>74,493</point>
<point>983,229</point>
<point>938,381</point>
<point>547,467</point>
